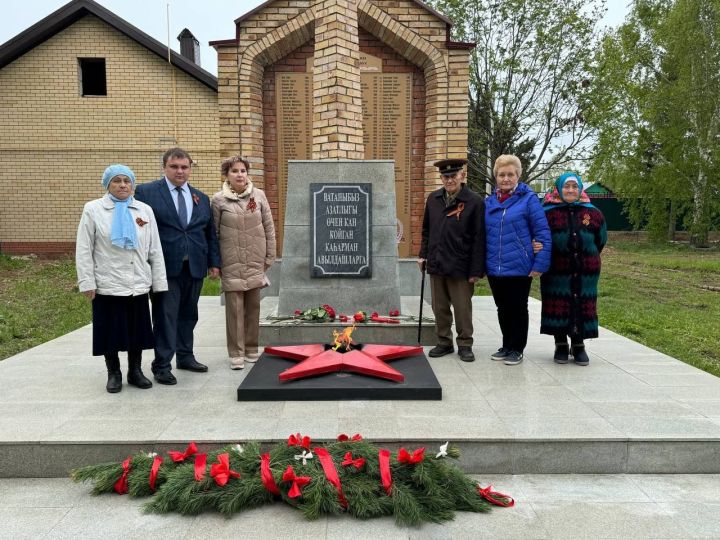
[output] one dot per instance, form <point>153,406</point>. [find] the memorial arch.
<point>345,79</point>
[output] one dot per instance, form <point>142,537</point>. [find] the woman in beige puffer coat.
<point>246,233</point>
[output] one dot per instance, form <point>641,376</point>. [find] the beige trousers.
<point>242,322</point>
<point>458,293</point>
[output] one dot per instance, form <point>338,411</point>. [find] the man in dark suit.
<point>191,251</point>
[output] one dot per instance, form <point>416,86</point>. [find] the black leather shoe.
<point>466,354</point>
<point>193,365</point>
<point>165,377</point>
<point>440,350</point>
<point>114,382</point>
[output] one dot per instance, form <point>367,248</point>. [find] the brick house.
<point>58,135</point>
<point>82,89</point>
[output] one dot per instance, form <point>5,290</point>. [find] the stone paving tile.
<point>561,428</point>
<point>698,519</point>
<point>680,428</point>
<point>276,521</point>
<point>544,409</point>
<point>645,409</point>
<point>39,493</point>
<point>521,522</point>
<point>580,488</point>
<point>113,428</point>
<point>29,523</point>
<point>678,379</point>
<point>679,487</point>
<point>607,520</point>
<point>213,428</point>
<point>704,408</point>
<point>119,523</point>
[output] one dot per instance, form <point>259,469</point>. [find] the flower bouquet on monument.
<point>349,475</point>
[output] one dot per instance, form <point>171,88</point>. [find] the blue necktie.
<point>181,208</point>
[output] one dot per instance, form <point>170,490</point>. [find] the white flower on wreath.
<point>238,448</point>
<point>152,455</point>
<point>443,451</point>
<point>304,456</point>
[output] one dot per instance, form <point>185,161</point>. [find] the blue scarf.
<point>122,231</point>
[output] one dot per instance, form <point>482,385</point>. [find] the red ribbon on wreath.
<point>385,474</point>
<point>266,475</point>
<point>200,462</point>
<point>330,472</point>
<point>297,482</point>
<point>416,457</point>
<point>154,471</point>
<point>121,486</point>
<point>495,497</point>
<point>348,461</point>
<point>221,470</point>
<point>299,440</point>
<point>179,457</point>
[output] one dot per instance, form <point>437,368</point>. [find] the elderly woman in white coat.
<point>246,232</point>
<point>119,259</point>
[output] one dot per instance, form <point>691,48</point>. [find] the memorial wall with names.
<point>387,124</point>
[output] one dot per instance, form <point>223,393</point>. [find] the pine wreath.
<point>348,475</point>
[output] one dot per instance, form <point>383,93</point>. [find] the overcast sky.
<point>208,21</point>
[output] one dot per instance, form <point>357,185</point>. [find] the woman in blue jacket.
<point>514,218</point>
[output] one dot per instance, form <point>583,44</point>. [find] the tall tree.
<point>528,75</point>
<point>656,104</point>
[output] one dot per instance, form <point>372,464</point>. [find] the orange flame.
<point>343,339</point>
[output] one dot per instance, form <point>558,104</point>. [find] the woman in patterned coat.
<point>569,288</point>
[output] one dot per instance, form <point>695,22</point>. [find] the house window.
<point>92,77</point>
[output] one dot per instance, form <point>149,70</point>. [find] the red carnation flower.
<point>343,318</point>
<point>394,313</point>
<point>298,312</point>
<point>330,311</point>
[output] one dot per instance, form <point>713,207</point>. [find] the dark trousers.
<point>511,298</point>
<point>175,314</point>
<point>458,293</point>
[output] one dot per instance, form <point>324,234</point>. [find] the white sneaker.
<point>252,357</point>
<point>237,363</point>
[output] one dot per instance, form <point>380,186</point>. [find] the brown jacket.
<point>246,235</point>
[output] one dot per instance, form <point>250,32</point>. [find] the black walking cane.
<point>422,295</point>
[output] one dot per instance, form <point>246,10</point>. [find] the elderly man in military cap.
<point>453,253</point>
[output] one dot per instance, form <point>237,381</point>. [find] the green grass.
<point>39,301</point>
<point>650,293</point>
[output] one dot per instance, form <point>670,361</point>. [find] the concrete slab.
<point>547,506</point>
<point>609,417</point>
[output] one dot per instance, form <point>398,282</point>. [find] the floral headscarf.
<point>554,198</point>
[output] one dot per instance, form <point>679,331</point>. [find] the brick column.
<point>337,106</point>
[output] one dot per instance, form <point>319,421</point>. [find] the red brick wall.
<point>38,248</point>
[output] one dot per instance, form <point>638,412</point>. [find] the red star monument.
<point>369,360</point>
